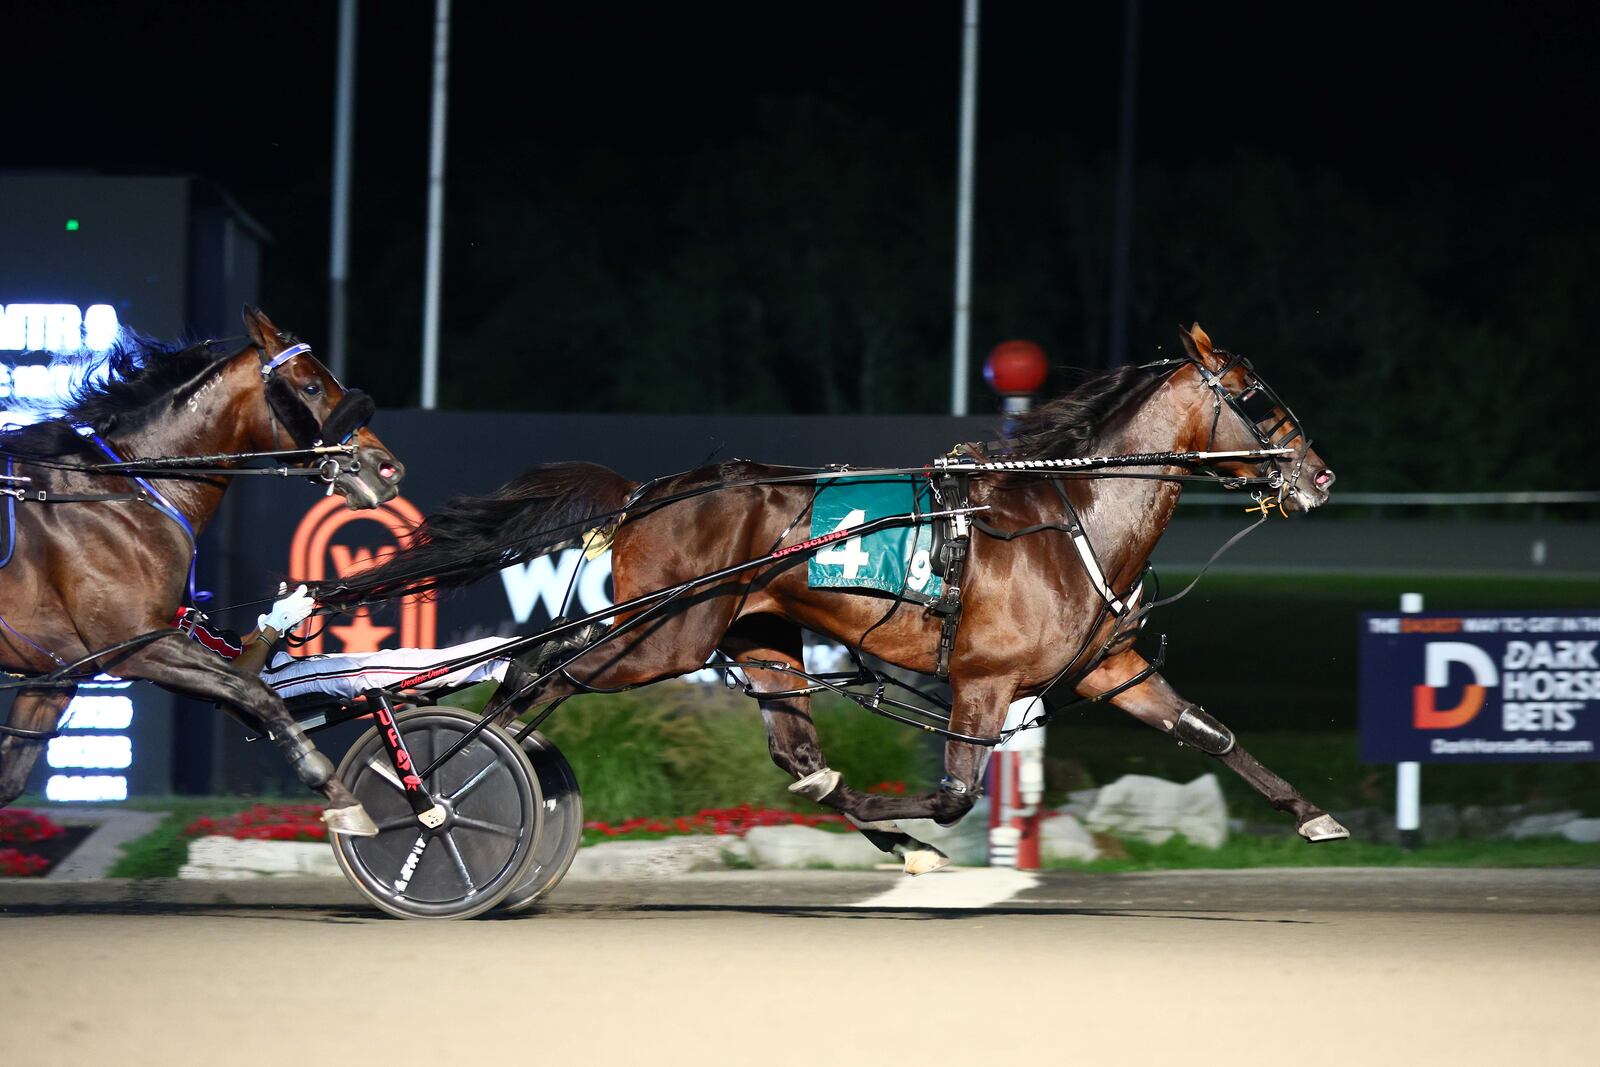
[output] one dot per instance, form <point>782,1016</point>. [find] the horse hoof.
<point>352,821</point>
<point>1323,828</point>
<point>920,858</point>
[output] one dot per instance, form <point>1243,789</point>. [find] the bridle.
<point>1257,406</point>
<point>284,407</point>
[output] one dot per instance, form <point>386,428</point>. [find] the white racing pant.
<point>348,676</point>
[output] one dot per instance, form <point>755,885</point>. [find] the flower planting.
<point>21,826</point>
<point>264,822</point>
<point>736,821</point>
<point>30,843</point>
<point>15,863</point>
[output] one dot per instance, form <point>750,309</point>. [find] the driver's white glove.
<point>289,612</point>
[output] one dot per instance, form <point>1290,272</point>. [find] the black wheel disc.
<point>563,823</point>
<point>493,816</point>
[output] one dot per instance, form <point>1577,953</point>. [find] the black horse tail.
<point>547,508</point>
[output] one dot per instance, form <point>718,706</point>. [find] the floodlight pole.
<point>343,137</point>
<point>431,286</point>
<point>1117,343</point>
<point>969,123</point>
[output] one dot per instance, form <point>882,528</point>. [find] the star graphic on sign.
<point>361,635</point>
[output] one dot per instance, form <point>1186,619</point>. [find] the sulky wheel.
<point>563,823</point>
<point>481,851</point>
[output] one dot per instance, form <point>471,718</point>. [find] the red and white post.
<point>1016,791</point>
<point>1016,370</point>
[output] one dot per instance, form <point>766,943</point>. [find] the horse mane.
<point>115,391</point>
<point>1065,427</point>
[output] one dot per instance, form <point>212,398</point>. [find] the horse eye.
<point>313,389</point>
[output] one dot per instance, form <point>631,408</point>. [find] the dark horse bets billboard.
<point>1480,687</point>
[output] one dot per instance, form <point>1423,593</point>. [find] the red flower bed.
<point>21,831</point>
<point>16,864</point>
<point>265,822</point>
<point>736,821</point>
<point>20,826</point>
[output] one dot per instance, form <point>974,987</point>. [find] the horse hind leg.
<point>792,739</point>
<point>34,709</point>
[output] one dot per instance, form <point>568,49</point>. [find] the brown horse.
<point>89,575</point>
<point>1035,610</point>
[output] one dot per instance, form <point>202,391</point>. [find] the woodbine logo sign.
<point>1480,687</point>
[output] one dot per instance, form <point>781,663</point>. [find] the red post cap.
<point>1016,368</point>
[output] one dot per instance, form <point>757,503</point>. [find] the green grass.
<point>1250,850</point>
<point>161,852</point>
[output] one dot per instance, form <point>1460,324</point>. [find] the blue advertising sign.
<point>1480,687</point>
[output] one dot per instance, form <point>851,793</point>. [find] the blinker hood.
<point>354,410</point>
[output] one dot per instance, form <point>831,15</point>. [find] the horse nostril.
<point>388,472</point>
<point>1324,478</point>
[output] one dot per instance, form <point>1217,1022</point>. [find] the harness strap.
<point>950,490</point>
<point>271,365</point>
<point>153,496</point>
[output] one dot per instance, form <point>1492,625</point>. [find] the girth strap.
<point>950,491</point>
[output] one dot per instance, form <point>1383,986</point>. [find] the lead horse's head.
<point>306,402</point>
<point>1244,412</point>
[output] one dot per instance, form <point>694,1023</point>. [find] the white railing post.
<point>1408,776</point>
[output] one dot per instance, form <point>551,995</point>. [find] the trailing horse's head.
<point>1244,412</point>
<point>307,402</point>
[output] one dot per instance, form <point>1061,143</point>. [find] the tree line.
<point>1430,339</point>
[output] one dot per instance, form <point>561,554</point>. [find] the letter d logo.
<point>1436,674</point>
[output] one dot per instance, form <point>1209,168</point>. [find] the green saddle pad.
<point>897,560</point>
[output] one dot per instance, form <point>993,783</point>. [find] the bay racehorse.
<point>1036,611</point>
<point>87,575</point>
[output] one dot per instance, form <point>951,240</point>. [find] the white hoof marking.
<point>920,858</point>
<point>352,821</point>
<point>1323,828</point>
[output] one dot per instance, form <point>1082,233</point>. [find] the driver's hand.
<point>289,612</point>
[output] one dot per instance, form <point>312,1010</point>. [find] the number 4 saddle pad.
<point>897,560</point>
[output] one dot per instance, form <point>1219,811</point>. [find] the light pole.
<point>432,283</point>
<point>339,240</point>
<point>964,180</point>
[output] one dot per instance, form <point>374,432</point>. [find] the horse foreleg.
<point>185,667</point>
<point>1155,703</point>
<point>792,739</point>
<point>35,709</point>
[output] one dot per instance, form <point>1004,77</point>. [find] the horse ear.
<point>1188,343</point>
<point>258,326</point>
<point>1201,341</point>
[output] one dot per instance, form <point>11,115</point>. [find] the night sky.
<point>1388,97</point>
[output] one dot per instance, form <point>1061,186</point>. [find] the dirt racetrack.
<point>816,967</point>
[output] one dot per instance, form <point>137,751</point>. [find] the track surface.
<point>815,968</point>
